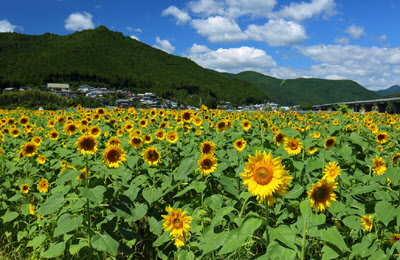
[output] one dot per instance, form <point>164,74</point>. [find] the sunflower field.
<point>208,184</point>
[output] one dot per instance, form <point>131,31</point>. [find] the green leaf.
<point>353,222</point>
<point>162,239</point>
<point>67,223</point>
<point>152,194</point>
<point>67,175</point>
<point>285,234</point>
<point>139,211</point>
<point>305,208</point>
<point>52,204</point>
<point>9,216</point>
<point>36,241</point>
<point>393,173</point>
<point>155,226</point>
<point>328,253</point>
<point>229,185</point>
<point>295,192</point>
<point>365,189</point>
<point>214,201</point>
<point>237,237</point>
<point>187,166</point>
<point>75,248</point>
<point>385,211</point>
<point>213,241</point>
<point>361,248</point>
<point>94,194</point>
<point>55,249</point>
<point>133,161</point>
<point>318,219</point>
<point>105,242</point>
<point>333,236</point>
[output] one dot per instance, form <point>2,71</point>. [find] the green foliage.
<point>103,58</point>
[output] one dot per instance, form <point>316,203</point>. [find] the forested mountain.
<point>103,58</point>
<point>306,90</point>
<point>393,90</point>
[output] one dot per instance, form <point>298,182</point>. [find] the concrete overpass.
<point>381,105</point>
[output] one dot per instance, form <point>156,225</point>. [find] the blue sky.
<point>331,39</point>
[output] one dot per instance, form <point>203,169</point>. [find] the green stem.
<point>88,210</point>
<point>303,243</point>
<point>267,220</point>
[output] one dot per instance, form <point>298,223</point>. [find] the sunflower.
<point>41,159</point>
<point>179,241</point>
<point>246,124</point>
<point>321,194</point>
<point>151,156</point>
<point>367,222</point>
<point>114,156</point>
<point>14,132</point>
<point>311,150</point>
<point>197,121</point>
<point>265,176</point>
<point>70,128</point>
<point>136,141</point>
<point>378,165</point>
<point>207,147</point>
<point>382,137</point>
<point>394,238</point>
<point>330,142</point>
<point>143,123</point>
<point>43,186</point>
<point>148,138</point>
<point>332,170</point>
<point>114,141</point>
<point>87,144</point>
<point>23,120</point>
<point>53,135</point>
<point>31,209</point>
<point>293,146</point>
<point>160,134</point>
<point>221,126</point>
<point>187,116</point>
<point>316,135</point>
<point>396,158</point>
<point>177,222</point>
<point>95,131</point>
<point>29,149</point>
<point>24,188</point>
<point>207,164</point>
<point>279,138</point>
<point>37,140</point>
<point>172,137</point>
<point>83,174</point>
<point>240,144</point>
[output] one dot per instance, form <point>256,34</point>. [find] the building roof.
<point>57,85</point>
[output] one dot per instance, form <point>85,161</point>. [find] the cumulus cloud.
<point>342,40</point>
<point>254,8</point>
<point>302,11</point>
<point>196,48</point>
<point>79,21</point>
<point>164,45</point>
<point>234,59</point>
<point>134,37</point>
<point>355,32</point>
<point>206,8</point>
<point>372,67</point>
<point>181,16</point>
<point>277,32</point>
<point>6,26</point>
<point>219,29</point>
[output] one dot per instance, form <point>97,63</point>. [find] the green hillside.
<point>306,90</point>
<point>103,58</point>
<point>393,90</point>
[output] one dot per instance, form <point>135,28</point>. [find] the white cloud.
<point>302,11</point>
<point>206,8</point>
<point>6,26</point>
<point>355,32</point>
<point>196,48</point>
<point>372,67</point>
<point>255,8</point>
<point>342,40</point>
<point>79,21</point>
<point>234,59</point>
<point>219,29</point>
<point>181,16</point>
<point>164,45</point>
<point>134,30</point>
<point>277,32</point>
<point>134,37</point>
